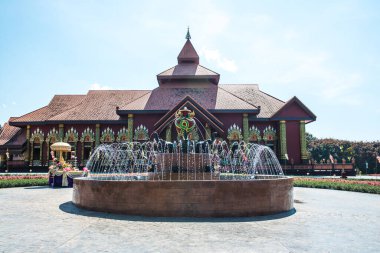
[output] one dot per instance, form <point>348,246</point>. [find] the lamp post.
<point>7,154</point>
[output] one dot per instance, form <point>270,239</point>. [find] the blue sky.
<point>325,52</point>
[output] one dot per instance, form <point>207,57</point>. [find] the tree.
<point>363,152</point>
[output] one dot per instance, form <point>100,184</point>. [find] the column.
<point>304,154</point>
<point>283,148</point>
<point>245,127</point>
<point>208,131</point>
<point>82,153</point>
<point>47,152</point>
<point>169,133</point>
<point>60,132</point>
<point>41,148</point>
<point>130,127</point>
<point>97,135</point>
<point>31,153</point>
<point>27,158</point>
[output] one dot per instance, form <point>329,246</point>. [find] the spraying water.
<point>186,159</point>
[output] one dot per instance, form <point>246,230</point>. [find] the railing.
<point>16,163</point>
<point>320,169</point>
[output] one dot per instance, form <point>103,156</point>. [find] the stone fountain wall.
<point>186,198</point>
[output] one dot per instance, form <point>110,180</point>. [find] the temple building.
<point>237,112</point>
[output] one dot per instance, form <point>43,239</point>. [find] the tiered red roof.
<point>186,79</point>
<point>188,69</point>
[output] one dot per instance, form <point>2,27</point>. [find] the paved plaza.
<point>40,219</point>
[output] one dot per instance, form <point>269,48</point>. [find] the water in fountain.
<point>184,160</point>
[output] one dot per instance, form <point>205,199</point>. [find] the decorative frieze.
<point>71,135</point>
<point>254,134</point>
<point>37,136</point>
<point>234,133</point>
<point>88,135</point>
<point>108,135</point>
<point>52,136</point>
<point>122,135</point>
<point>141,133</point>
<point>269,134</point>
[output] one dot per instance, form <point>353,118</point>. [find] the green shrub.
<point>23,182</point>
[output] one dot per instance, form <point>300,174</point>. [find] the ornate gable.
<point>52,136</point>
<point>141,133</point>
<point>234,133</point>
<point>71,135</point>
<point>37,136</point>
<point>200,113</point>
<point>254,134</point>
<point>88,135</point>
<point>122,135</point>
<point>269,134</point>
<point>108,135</point>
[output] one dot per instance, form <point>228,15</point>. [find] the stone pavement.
<point>40,219</point>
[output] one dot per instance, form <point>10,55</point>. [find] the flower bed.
<point>366,186</point>
<point>7,181</point>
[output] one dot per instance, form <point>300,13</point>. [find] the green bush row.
<point>23,182</point>
<point>338,186</point>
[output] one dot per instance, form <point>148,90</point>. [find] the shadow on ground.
<point>69,207</point>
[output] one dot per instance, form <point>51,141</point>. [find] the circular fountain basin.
<point>208,198</point>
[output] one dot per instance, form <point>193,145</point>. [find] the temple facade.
<point>237,112</point>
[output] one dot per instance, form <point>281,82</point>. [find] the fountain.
<point>185,178</point>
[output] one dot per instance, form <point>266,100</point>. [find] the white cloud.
<point>96,86</point>
<point>262,20</point>
<point>310,72</point>
<point>290,35</point>
<point>216,57</point>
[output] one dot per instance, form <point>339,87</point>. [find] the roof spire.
<point>188,37</point>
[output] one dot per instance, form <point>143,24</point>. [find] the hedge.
<point>23,182</point>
